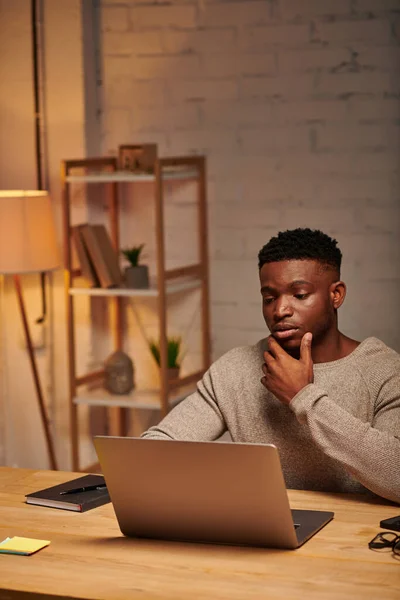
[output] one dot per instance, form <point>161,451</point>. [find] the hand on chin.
<point>290,345</point>
<point>284,376</point>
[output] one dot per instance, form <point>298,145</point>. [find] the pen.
<point>87,488</point>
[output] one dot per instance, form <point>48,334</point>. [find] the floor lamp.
<point>28,244</point>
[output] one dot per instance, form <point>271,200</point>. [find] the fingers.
<point>264,369</point>
<point>305,348</point>
<point>272,355</point>
<point>269,359</point>
<point>273,347</point>
<point>273,351</point>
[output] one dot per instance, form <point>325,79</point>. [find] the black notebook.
<point>79,502</point>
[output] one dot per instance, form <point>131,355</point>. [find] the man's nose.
<point>283,308</point>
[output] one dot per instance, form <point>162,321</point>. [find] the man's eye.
<point>301,296</point>
<point>267,300</point>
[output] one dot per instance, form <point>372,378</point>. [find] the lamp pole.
<point>38,387</point>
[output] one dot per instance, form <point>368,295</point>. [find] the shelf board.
<point>152,292</point>
<point>139,399</point>
<point>171,173</point>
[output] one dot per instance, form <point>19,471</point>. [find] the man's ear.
<point>337,292</point>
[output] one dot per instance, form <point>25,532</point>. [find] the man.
<point>330,404</point>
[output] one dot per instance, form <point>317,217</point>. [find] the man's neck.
<point>333,347</point>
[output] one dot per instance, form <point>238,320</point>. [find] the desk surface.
<point>89,558</point>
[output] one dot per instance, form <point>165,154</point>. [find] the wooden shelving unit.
<point>167,282</point>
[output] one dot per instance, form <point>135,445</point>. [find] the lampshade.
<point>28,241</point>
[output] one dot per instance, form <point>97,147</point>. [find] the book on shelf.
<point>109,253</point>
<point>56,496</point>
<point>85,262</point>
<point>103,256</point>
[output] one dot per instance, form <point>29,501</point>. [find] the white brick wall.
<point>174,14</point>
<point>116,18</point>
<point>374,31</point>
<point>303,10</point>
<point>296,105</point>
<point>238,14</point>
<point>259,38</point>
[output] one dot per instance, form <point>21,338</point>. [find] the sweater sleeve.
<point>369,451</point>
<point>197,418</point>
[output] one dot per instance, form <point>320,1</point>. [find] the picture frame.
<point>137,158</point>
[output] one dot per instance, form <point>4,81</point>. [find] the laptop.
<point>214,492</point>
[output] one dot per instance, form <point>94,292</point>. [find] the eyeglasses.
<point>386,540</point>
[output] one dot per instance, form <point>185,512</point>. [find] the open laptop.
<point>204,492</point>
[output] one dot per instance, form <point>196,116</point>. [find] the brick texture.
<point>296,105</point>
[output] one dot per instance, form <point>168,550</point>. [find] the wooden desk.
<point>89,558</point>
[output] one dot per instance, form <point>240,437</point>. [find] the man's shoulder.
<point>374,348</point>
<point>241,355</point>
<point>375,358</point>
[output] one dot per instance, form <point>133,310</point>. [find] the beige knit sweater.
<point>340,433</point>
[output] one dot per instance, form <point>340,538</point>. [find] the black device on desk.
<point>392,523</point>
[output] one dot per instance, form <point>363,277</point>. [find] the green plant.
<point>133,254</point>
<point>173,351</point>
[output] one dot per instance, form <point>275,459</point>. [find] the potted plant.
<point>173,355</point>
<point>136,275</point>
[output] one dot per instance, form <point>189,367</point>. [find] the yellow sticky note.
<point>21,545</point>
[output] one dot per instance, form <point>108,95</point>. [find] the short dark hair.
<point>301,244</point>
